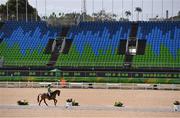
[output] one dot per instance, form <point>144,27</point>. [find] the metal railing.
<point>92,64</point>
<point>90,85</point>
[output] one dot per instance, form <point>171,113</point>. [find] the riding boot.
<point>49,96</point>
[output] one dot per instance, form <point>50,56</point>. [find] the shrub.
<point>22,102</point>
<point>69,100</point>
<point>118,104</point>
<point>74,103</point>
<point>176,103</point>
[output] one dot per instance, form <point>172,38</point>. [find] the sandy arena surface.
<point>93,103</point>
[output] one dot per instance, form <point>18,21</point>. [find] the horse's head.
<point>58,92</point>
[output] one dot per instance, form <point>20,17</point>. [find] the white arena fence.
<point>90,85</point>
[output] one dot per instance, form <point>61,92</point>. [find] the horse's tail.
<point>38,98</point>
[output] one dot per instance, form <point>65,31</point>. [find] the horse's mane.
<point>57,91</point>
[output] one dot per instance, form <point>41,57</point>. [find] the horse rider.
<point>49,90</point>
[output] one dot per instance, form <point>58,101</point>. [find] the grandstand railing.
<point>90,85</point>
<point>94,64</point>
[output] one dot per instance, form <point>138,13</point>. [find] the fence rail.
<point>90,85</point>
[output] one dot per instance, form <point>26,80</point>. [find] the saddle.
<point>49,96</point>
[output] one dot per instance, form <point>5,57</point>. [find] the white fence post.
<point>19,84</point>
<point>7,84</point>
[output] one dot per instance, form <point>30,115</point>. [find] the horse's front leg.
<point>45,102</point>
<point>40,102</point>
<point>55,102</point>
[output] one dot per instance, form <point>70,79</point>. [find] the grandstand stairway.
<point>66,46</point>
<point>65,30</point>
<point>131,46</point>
<point>1,24</point>
<point>61,45</point>
<point>1,40</point>
<point>141,47</point>
<point>50,46</point>
<point>122,47</point>
<point>1,62</point>
<point>55,52</point>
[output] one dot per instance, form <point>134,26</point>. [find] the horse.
<point>45,96</point>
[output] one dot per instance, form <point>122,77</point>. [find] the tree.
<point>138,10</point>
<point>179,13</point>
<point>128,13</point>
<point>54,14</point>
<point>21,8</point>
<point>60,14</point>
<point>63,19</point>
<point>103,15</point>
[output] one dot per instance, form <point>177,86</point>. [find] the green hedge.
<point>93,80</point>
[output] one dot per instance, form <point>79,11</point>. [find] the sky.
<point>68,6</point>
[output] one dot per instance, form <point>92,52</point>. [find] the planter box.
<point>176,108</point>
<point>68,104</point>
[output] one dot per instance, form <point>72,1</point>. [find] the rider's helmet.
<point>49,85</point>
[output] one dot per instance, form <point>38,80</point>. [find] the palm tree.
<point>179,13</point>
<point>54,14</point>
<point>128,13</point>
<point>138,10</point>
<point>60,14</point>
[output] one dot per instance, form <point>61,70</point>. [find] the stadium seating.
<point>24,42</point>
<point>95,44</point>
<point>163,44</point>
<point>1,24</point>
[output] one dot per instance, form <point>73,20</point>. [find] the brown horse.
<point>45,96</point>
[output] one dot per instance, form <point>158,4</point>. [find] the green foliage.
<point>30,79</point>
<point>67,19</point>
<point>122,80</point>
<point>21,7</point>
<point>69,100</point>
<point>22,102</point>
<point>75,103</point>
<point>176,103</point>
<point>93,80</point>
<point>118,104</point>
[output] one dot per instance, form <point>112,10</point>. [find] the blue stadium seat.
<point>161,33</point>
<point>99,35</point>
<point>28,36</point>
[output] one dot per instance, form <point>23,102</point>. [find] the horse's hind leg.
<point>45,102</point>
<point>55,102</point>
